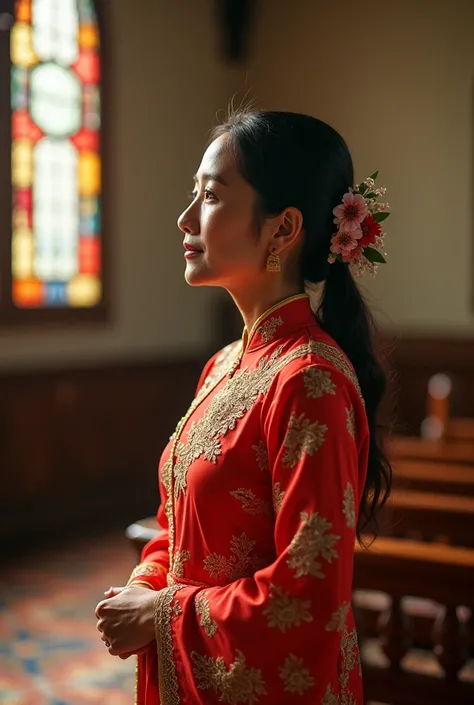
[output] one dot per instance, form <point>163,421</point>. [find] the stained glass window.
<point>55,161</point>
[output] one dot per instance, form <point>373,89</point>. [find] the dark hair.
<point>297,160</point>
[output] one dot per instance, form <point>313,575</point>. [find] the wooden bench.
<point>436,451</point>
<point>436,572</point>
<point>420,475</point>
<point>429,516</point>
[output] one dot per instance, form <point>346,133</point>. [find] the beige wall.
<point>164,88</point>
<point>407,112</point>
<point>396,78</point>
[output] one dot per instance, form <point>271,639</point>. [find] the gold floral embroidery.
<point>351,427</point>
<point>338,618</point>
<point>296,677</point>
<point>232,402</point>
<point>262,456</point>
<point>203,610</point>
<point>267,330</point>
<point>349,655</point>
<point>284,611</point>
<point>223,362</point>
<point>239,565</point>
<point>278,496</point>
<point>237,684</point>
<point>165,610</point>
<point>349,506</point>
<point>309,543</point>
<point>302,437</point>
<point>147,569</point>
<point>180,558</point>
<point>330,697</point>
<point>250,502</point>
<point>317,382</point>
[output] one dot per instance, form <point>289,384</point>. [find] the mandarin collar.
<point>278,321</point>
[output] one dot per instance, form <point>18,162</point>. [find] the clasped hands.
<point>126,620</point>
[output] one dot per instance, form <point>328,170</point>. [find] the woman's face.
<point>219,224</point>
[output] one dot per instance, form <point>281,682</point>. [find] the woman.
<point>276,467</point>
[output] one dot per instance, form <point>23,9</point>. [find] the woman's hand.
<point>126,620</point>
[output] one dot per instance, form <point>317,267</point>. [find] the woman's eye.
<point>208,194</point>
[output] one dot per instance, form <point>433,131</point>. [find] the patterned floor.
<point>50,651</point>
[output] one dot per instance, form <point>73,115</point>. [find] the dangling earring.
<point>273,262</point>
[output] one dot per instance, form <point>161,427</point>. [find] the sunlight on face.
<point>219,224</point>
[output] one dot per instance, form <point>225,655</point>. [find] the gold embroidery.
<point>351,427</point>
<point>296,677</point>
<point>167,676</point>
<point>317,382</point>
<point>223,362</point>
<point>147,569</point>
<point>250,502</point>
<point>302,437</point>
<point>203,610</point>
<point>309,543</point>
<point>349,506</point>
<point>330,697</point>
<point>338,618</point>
<point>284,611</point>
<point>262,456</point>
<point>240,564</point>
<point>238,684</point>
<point>232,402</point>
<point>267,329</point>
<point>223,411</point>
<point>349,655</point>
<point>278,496</point>
<point>180,558</point>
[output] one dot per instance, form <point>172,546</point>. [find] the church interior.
<point>102,342</point>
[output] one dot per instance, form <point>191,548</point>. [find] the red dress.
<point>261,485</point>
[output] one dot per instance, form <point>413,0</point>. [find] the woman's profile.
<point>276,468</point>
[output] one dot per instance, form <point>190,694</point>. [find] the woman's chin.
<point>196,276</point>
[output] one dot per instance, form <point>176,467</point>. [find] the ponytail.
<point>344,314</point>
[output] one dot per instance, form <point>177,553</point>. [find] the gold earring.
<point>273,262</point>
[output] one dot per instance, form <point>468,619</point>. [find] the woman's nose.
<point>186,224</point>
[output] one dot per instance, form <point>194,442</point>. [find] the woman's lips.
<point>191,251</point>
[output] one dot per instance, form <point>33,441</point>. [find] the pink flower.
<point>342,243</point>
<point>351,212</point>
<point>352,256</point>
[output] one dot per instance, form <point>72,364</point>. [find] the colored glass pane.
<point>28,292</point>
<point>84,290</point>
<point>24,127</point>
<point>22,163</point>
<point>87,66</point>
<point>88,36</point>
<point>86,11</point>
<point>91,107</point>
<point>89,255</point>
<point>55,30</point>
<point>56,167</point>
<point>23,11</point>
<point>21,45</point>
<point>89,174</point>
<point>55,100</point>
<point>22,253</point>
<point>55,210</point>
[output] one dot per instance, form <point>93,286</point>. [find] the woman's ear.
<point>288,230</point>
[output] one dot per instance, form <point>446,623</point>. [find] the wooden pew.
<point>436,572</point>
<point>450,478</point>
<point>429,516</point>
<point>438,423</point>
<point>436,451</point>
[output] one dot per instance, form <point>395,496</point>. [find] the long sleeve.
<point>286,634</point>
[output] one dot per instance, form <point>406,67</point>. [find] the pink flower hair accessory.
<point>359,240</point>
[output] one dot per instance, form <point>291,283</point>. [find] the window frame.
<point>11,315</point>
